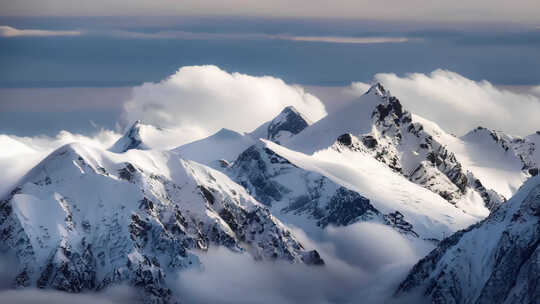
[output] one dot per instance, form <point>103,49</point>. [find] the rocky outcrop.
<point>287,124</point>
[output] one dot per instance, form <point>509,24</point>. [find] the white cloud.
<point>8,31</point>
<point>363,261</point>
<point>459,104</point>
<point>26,152</point>
<point>200,100</point>
<point>536,90</point>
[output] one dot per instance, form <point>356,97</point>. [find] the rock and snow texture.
<point>271,178</point>
<point>222,148</point>
<point>287,124</point>
<point>283,127</point>
<point>132,139</point>
<point>324,189</point>
<point>494,261</point>
<point>84,219</point>
<point>378,125</point>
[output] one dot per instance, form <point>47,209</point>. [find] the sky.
<point>520,11</point>
<point>73,65</point>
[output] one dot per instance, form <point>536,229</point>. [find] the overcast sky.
<point>474,11</point>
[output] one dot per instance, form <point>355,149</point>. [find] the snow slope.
<point>378,125</point>
<point>223,145</point>
<point>494,261</point>
<point>302,188</point>
<point>221,148</point>
<point>85,218</point>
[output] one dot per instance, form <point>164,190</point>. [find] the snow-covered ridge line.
<point>378,125</point>
<point>84,219</point>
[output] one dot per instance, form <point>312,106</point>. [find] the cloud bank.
<point>8,31</point>
<point>363,261</point>
<point>459,104</point>
<point>199,100</point>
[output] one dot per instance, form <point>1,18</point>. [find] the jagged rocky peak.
<point>409,149</point>
<point>377,89</point>
<point>390,109</point>
<point>494,261</point>
<point>287,124</point>
<point>85,219</point>
<point>132,139</point>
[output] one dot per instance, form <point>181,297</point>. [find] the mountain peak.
<point>378,89</point>
<point>132,139</point>
<point>288,123</point>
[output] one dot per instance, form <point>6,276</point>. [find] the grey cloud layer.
<point>525,11</point>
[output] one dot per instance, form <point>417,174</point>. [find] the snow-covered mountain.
<point>494,261</point>
<point>84,219</point>
<point>310,191</point>
<point>217,150</point>
<point>221,148</point>
<point>134,138</point>
<point>378,125</point>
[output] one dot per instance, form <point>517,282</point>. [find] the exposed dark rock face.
<point>494,261</point>
<point>346,207</point>
<point>345,139</point>
<point>289,121</point>
<point>260,171</point>
<point>396,220</point>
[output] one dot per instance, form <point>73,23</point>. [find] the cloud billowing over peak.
<point>459,104</point>
<point>200,100</point>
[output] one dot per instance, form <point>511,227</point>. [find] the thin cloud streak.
<point>359,40</point>
<point>8,31</point>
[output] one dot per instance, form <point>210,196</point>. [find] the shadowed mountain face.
<point>287,124</point>
<point>494,261</point>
